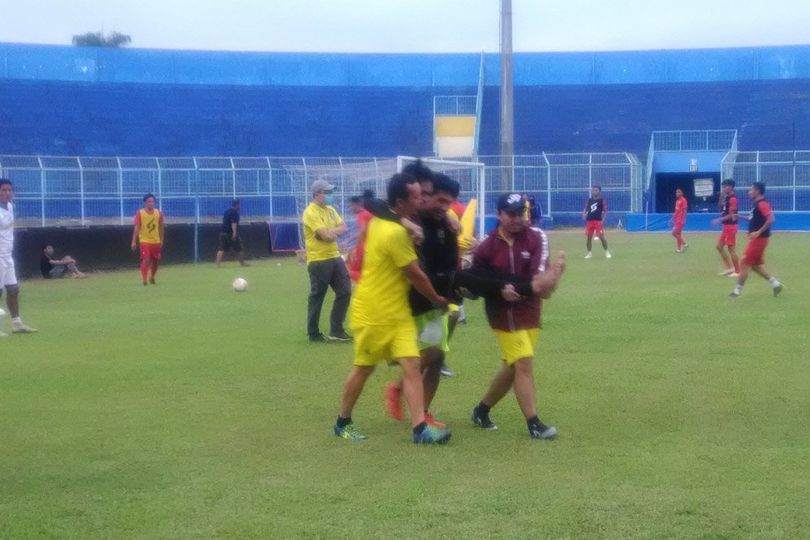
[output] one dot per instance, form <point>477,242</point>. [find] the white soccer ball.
<point>2,313</point>
<point>240,284</point>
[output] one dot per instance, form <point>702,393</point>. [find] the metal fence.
<point>562,182</point>
<point>786,175</point>
<point>706,140</point>
<point>81,191</point>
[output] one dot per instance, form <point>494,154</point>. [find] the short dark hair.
<point>45,246</point>
<point>4,181</point>
<point>398,187</point>
<point>759,186</point>
<point>442,182</point>
<point>597,186</point>
<point>147,196</point>
<point>419,170</point>
<point>729,182</point>
<point>368,194</point>
<point>357,199</point>
<point>235,203</point>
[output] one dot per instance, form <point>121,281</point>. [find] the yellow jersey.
<point>381,297</point>
<point>319,217</point>
<point>149,226</point>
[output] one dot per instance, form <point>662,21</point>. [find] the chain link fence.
<point>82,191</point>
<point>786,176</point>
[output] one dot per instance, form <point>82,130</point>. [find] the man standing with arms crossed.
<point>515,248</point>
<point>759,232</point>
<point>382,323</point>
<point>8,276</point>
<point>148,230</point>
<point>322,227</point>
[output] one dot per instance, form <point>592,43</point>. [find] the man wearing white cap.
<point>322,227</point>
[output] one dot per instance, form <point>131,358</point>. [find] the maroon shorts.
<point>755,251</point>
<point>150,251</point>
<point>728,237</point>
<point>593,227</point>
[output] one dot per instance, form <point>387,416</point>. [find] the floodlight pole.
<point>507,96</point>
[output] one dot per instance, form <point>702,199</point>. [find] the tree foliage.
<point>98,39</point>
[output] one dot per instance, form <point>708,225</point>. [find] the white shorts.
<point>8,277</point>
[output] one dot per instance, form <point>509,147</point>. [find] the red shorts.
<point>755,251</point>
<point>728,237</point>
<point>150,251</point>
<point>678,227</point>
<point>593,227</point>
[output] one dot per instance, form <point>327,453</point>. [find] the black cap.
<point>511,203</point>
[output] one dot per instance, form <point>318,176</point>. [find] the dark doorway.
<point>704,182</point>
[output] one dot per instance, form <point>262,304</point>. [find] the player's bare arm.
<point>544,283</point>
<point>134,243</point>
<point>326,234</point>
<point>422,284</point>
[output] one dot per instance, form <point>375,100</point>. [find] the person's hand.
<point>234,237</point>
<point>414,231</point>
<point>670,222</point>
<point>441,302</point>
<point>509,293</point>
<point>754,235</point>
<point>559,264</point>
<point>133,246</point>
<point>716,222</point>
<point>454,224</point>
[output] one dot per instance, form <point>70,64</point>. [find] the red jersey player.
<point>678,220</point>
<point>759,231</point>
<point>728,237</point>
<point>363,216</point>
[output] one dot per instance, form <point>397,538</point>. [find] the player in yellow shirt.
<point>148,230</point>
<point>381,314</point>
<point>322,227</point>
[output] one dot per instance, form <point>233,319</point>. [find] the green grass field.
<point>186,410</point>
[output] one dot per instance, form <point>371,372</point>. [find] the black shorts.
<point>226,242</point>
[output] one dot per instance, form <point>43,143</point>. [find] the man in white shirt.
<point>8,278</point>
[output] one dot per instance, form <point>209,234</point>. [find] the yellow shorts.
<point>518,344</point>
<point>377,343</point>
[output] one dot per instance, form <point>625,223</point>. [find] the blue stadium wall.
<point>86,101</point>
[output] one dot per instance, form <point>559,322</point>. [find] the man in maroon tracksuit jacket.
<point>515,248</point>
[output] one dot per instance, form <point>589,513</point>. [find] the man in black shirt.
<point>56,268</point>
<point>229,235</point>
<point>594,215</point>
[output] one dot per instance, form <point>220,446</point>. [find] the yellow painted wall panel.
<point>455,126</point>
